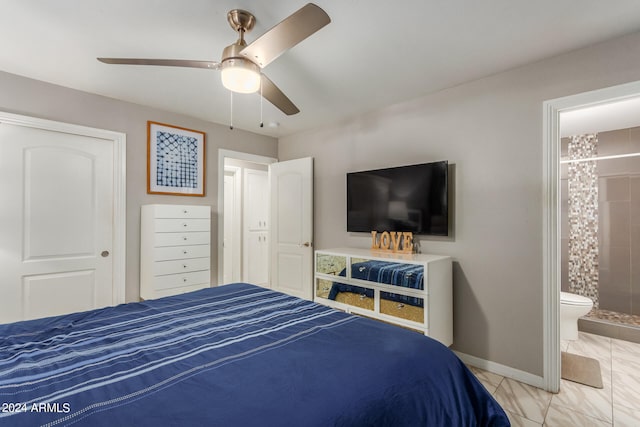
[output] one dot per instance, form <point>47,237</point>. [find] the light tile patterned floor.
<point>617,404</point>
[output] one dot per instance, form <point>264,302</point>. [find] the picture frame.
<point>175,160</point>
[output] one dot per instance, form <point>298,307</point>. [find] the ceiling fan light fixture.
<point>240,75</point>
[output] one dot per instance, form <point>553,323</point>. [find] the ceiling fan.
<point>241,64</point>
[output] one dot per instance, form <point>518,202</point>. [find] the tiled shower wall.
<point>618,213</point>
<point>583,217</point>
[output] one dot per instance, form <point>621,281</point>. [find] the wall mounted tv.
<point>406,198</point>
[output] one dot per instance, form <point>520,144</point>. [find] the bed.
<point>235,355</point>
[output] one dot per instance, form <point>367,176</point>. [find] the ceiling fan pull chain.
<point>231,113</point>
<point>261,120</point>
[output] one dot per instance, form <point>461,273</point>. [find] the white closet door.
<point>258,255</point>
<point>56,222</point>
<point>256,200</point>
<point>256,211</point>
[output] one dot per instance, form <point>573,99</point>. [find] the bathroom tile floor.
<point>617,404</point>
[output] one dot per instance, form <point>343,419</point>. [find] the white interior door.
<point>56,223</point>
<point>291,206</point>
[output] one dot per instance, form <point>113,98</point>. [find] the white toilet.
<point>572,306</point>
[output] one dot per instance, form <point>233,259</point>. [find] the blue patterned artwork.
<point>177,160</point>
<point>176,164</point>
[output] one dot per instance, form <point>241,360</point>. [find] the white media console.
<point>410,290</point>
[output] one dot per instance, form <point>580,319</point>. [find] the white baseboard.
<point>505,371</point>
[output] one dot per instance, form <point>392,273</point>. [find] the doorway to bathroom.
<point>591,171</point>
<point>600,215</point>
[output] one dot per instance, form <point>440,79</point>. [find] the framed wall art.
<point>175,160</point>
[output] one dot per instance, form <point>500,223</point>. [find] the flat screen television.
<point>406,198</point>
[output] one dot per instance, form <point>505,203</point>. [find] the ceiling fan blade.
<point>212,65</point>
<point>286,34</point>
<point>271,93</point>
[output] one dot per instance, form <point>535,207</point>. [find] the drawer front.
<point>354,295</point>
<point>323,287</point>
<point>181,266</point>
<point>181,239</point>
<point>177,211</point>
<point>330,264</point>
<point>173,225</point>
<point>392,273</point>
<point>403,307</point>
<point>180,252</point>
<point>179,280</point>
<point>180,290</point>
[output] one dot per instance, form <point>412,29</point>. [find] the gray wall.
<point>491,130</point>
<point>33,98</point>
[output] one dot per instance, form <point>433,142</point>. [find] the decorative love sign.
<point>392,241</point>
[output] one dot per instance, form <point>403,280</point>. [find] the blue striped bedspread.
<point>236,355</point>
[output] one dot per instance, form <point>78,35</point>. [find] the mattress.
<point>236,355</point>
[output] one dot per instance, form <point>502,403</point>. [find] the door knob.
<point>306,244</point>
<point>104,254</point>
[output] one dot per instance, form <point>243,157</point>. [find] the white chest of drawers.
<point>175,249</point>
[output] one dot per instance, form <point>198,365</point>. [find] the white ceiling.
<point>613,115</point>
<point>374,53</point>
